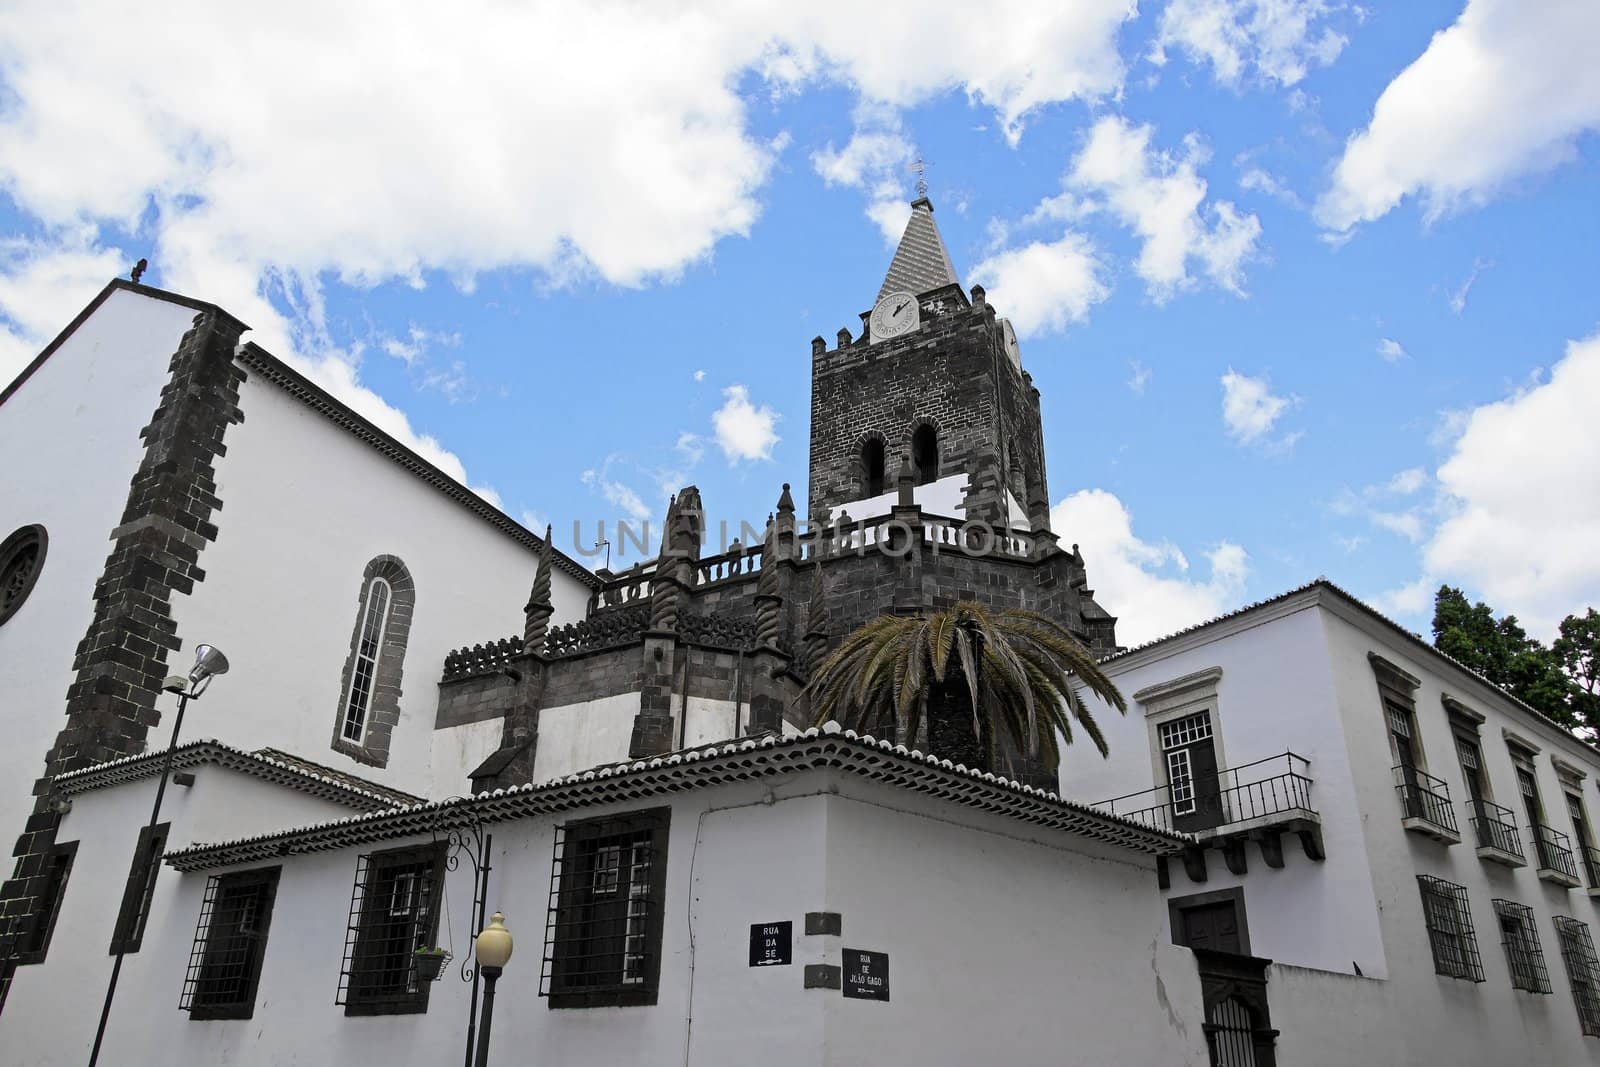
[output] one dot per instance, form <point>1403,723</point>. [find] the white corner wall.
<point>76,421</point>
<point>306,506</point>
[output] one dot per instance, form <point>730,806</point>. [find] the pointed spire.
<point>536,614</point>
<point>921,263</point>
<point>769,601</point>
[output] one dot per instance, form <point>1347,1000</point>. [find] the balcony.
<point>1591,868</point>
<point>1554,850</point>
<point>1495,830</point>
<point>1257,801</point>
<point>1425,805</point>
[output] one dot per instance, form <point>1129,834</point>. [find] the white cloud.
<point>1521,493</point>
<point>1256,180</point>
<point>876,159</point>
<point>245,175</point>
<point>1044,287</point>
<point>1458,296</point>
<point>1162,198</point>
<point>1391,350</point>
<point>1250,409</point>
<point>1407,524</point>
<point>1138,377</point>
<point>1277,40</point>
<point>623,496</point>
<point>43,285</point>
<point>744,431</point>
<point>1503,93</point>
<point>699,375</point>
<point>1147,585</point>
<point>1406,482</point>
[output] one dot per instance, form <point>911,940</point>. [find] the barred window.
<point>1449,920</point>
<point>1583,971</point>
<point>35,939</point>
<point>229,942</point>
<point>131,917</point>
<point>394,911</point>
<point>603,930</point>
<point>1521,940</point>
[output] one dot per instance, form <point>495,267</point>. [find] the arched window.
<point>872,466</point>
<point>925,454</point>
<point>369,698</point>
<point>21,559</point>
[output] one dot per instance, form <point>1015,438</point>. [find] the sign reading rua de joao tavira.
<point>866,974</point>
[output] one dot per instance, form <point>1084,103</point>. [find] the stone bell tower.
<point>934,381</point>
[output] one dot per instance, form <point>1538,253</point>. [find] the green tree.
<point>986,682</point>
<point>1577,651</point>
<point>1501,651</point>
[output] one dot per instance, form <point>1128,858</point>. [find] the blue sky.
<point>1308,287</point>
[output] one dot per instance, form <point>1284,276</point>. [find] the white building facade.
<point>1410,846</point>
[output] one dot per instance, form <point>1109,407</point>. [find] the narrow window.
<point>603,940</point>
<point>1449,922</point>
<point>369,695</point>
<point>1191,759</point>
<point>1588,855</point>
<point>872,466</point>
<point>135,910</point>
<point>35,941</point>
<point>1583,971</point>
<point>393,912</point>
<point>925,454</point>
<point>230,940</point>
<point>1521,940</point>
<point>369,647</point>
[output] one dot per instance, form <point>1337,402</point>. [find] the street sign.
<point>771,944</point>
<point>866,974</point>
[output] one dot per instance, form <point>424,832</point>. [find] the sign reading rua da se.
<point>771,944</point>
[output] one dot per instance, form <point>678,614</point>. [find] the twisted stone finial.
<point>539,609</point>
<point>769,602</point>
<point>816,639</point>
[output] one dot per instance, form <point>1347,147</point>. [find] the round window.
<point>21,559</point>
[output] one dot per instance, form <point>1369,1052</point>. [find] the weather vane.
<point>920,165</point>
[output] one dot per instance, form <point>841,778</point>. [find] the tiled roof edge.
<point>750,759</point>
<point>194,753</point>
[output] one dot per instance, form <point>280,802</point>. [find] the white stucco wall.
<point>76,421</point>
<point>1006,945</point>
<point>51,1011</point>
<point>574,737</point>
<point>306,507</point>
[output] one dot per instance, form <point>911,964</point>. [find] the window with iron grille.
<point>229,942</point>
<point>35,940</point>
<point>602,943</point>
<point>1520,937</point>
<point>394,910</point>
<point>128,934</point>
<point>1583,970</point>
<point>1449,919</point>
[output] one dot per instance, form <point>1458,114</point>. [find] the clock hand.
<point>901,308</point>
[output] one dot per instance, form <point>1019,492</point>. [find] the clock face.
<point>896,313</point>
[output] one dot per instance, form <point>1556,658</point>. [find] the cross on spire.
<point>920,166</point>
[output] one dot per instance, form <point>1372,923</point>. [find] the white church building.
<point>1316,839</point>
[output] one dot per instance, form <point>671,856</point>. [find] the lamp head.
<point>208,661</point>
<point>493,947</point>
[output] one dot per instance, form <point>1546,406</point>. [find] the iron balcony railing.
<point>1425,797</point>
<point>1495,827</point>
<point>1277,785</point>
<point>1555,850</point>
<point>1591,865</point>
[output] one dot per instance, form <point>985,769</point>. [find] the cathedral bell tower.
<point>934,381</point>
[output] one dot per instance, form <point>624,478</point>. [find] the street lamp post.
<point>208,663</point>
<point>493,949</point>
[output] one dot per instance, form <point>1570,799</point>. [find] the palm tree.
<point>1011,670</point>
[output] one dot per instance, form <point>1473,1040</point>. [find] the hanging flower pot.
<point>430,963</point>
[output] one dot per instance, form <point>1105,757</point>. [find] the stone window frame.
<point>383,712</point>
<point>1178,698</point>
<point>858,465</point>
<point>18,541</point>
<point>932,426</point>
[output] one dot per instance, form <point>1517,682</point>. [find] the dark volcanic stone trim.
<point>120,663</point>
<point>383,708</point>
<point>270,368</point>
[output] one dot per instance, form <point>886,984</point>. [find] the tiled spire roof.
<point>921,263</point>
